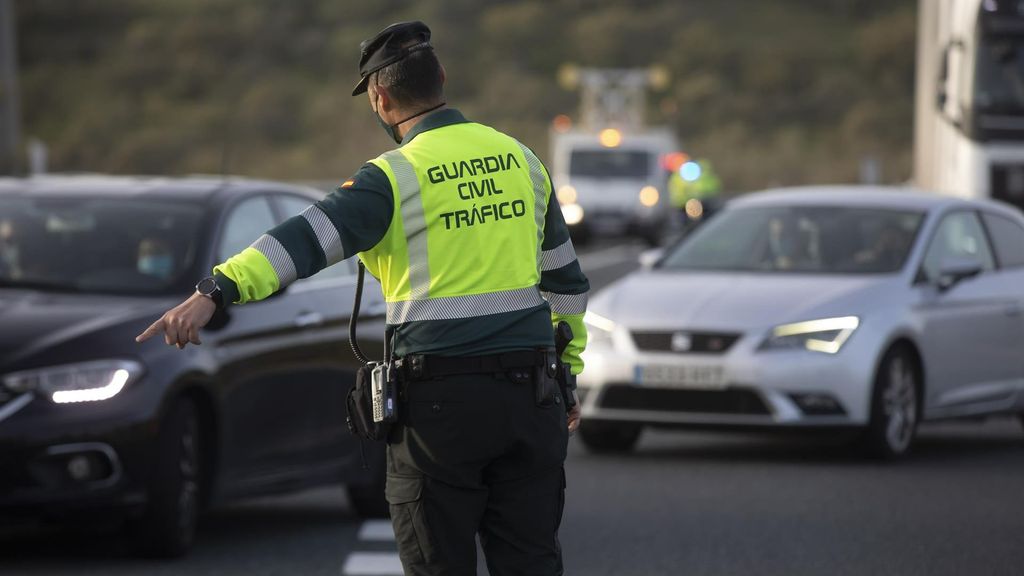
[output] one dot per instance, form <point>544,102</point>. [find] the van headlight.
<point>572,213</point>
<point>81,382</point>
<point>826,335</point>
<point>599,328</point>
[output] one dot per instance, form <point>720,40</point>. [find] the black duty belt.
<point>423,367</point>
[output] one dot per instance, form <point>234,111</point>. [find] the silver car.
<point>873,308</point>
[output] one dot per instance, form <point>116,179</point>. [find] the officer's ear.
<point>444,74</point>
<point>384,102</point>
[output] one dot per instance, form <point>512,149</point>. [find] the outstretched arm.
<point>349,220</point>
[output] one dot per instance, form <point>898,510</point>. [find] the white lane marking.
<point>608,257</point>
<point>372,564</point>
<point>377,531</point>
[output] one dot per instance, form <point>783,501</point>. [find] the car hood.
<point>31,321</point>
<point>735,301</point>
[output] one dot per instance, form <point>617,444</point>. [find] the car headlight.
<point>599,328</point>
<point>826,335</point>
<point>82,382</point>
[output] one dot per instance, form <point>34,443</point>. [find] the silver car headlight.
<point>81,382</point>
<point>599,328</point>
<point>826,335</point>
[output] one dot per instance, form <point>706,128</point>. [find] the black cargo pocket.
<point>405,499</point>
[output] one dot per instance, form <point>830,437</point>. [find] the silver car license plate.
<point>686,376</point>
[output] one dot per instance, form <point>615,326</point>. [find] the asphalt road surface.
<point>682,503</point>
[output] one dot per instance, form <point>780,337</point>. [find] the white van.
<point>612,182</point>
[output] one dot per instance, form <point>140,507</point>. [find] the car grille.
<point>685,342</point>
<point>731,401</point>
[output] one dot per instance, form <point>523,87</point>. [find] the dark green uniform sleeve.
<point>351,219</point>
<point>563,283</point>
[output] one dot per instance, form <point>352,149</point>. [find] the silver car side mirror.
<point>956,270</point>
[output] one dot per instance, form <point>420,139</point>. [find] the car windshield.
<point>108,245</point>
<point>610,163</point>
<point>829,240</point>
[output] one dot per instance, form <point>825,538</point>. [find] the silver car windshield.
<point>809,239</point>
<point>106,245</point>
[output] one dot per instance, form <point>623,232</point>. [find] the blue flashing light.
<point>690,171</point>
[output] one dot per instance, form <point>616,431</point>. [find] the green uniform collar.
<point>438,119</point>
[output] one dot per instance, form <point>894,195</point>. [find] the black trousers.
<point>476,455</point>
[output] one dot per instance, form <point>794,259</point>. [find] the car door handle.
<point>306,319</point>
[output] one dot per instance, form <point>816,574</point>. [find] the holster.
<point>566,385</point>
<point>359,406</point>
<point>545,382</point>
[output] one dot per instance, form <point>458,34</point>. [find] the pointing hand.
<point>181,324</point>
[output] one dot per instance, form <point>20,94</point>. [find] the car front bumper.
<point>59,460</point>
<point>756,389</point>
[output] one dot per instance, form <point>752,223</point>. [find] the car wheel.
<point>895,405</point>
<point>608,437</point>
<point>168,526</point>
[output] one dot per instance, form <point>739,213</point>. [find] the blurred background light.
<point>610,138</point>
<point>690,171</point>
<point>649,196</point>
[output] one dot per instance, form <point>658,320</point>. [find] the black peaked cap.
<point>389,46</point>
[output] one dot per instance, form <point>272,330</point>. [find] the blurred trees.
<point>772,91</point>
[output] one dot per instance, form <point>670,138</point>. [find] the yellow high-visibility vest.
<point>466,232</point>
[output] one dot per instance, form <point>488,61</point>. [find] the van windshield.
<point>611,163</point>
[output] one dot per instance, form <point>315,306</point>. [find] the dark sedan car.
<point>90,420</point>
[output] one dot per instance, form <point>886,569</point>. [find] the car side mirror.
<point>648,258</point>
<point>957,270</point>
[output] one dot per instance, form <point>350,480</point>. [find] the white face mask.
<point>159,265</point>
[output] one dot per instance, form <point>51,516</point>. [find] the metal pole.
<point>9,115</point>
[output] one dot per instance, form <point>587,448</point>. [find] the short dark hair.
<point>414,80</point>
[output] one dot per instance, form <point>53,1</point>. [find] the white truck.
<point>969,112</point>
<point>609,173</point>
<point>613,182</point>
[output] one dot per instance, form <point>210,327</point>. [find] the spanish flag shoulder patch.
<point>348,183</point>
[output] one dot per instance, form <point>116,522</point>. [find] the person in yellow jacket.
<point>694,180</point>
<point>461,228</point>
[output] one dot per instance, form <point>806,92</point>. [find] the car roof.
<point>892,197</point>
<point>195,188</point>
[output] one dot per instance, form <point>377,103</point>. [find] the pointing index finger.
<point>153,330</point>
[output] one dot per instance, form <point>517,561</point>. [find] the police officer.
<point>461,228</point>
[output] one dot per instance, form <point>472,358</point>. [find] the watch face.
<point>207,286</point>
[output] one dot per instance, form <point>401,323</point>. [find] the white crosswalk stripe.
<point>372,564</point>
<point>377,531</point>
<point>380,563</point>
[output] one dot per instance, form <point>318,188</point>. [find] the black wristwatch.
<point>208,287</point>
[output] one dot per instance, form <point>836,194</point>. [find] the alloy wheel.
<point>899,404</point>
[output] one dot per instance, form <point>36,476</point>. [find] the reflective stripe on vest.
<point>539,179</point>
<point>414,223</point>
<point>455,307</point>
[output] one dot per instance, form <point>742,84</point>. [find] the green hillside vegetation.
<point>772,91</point>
